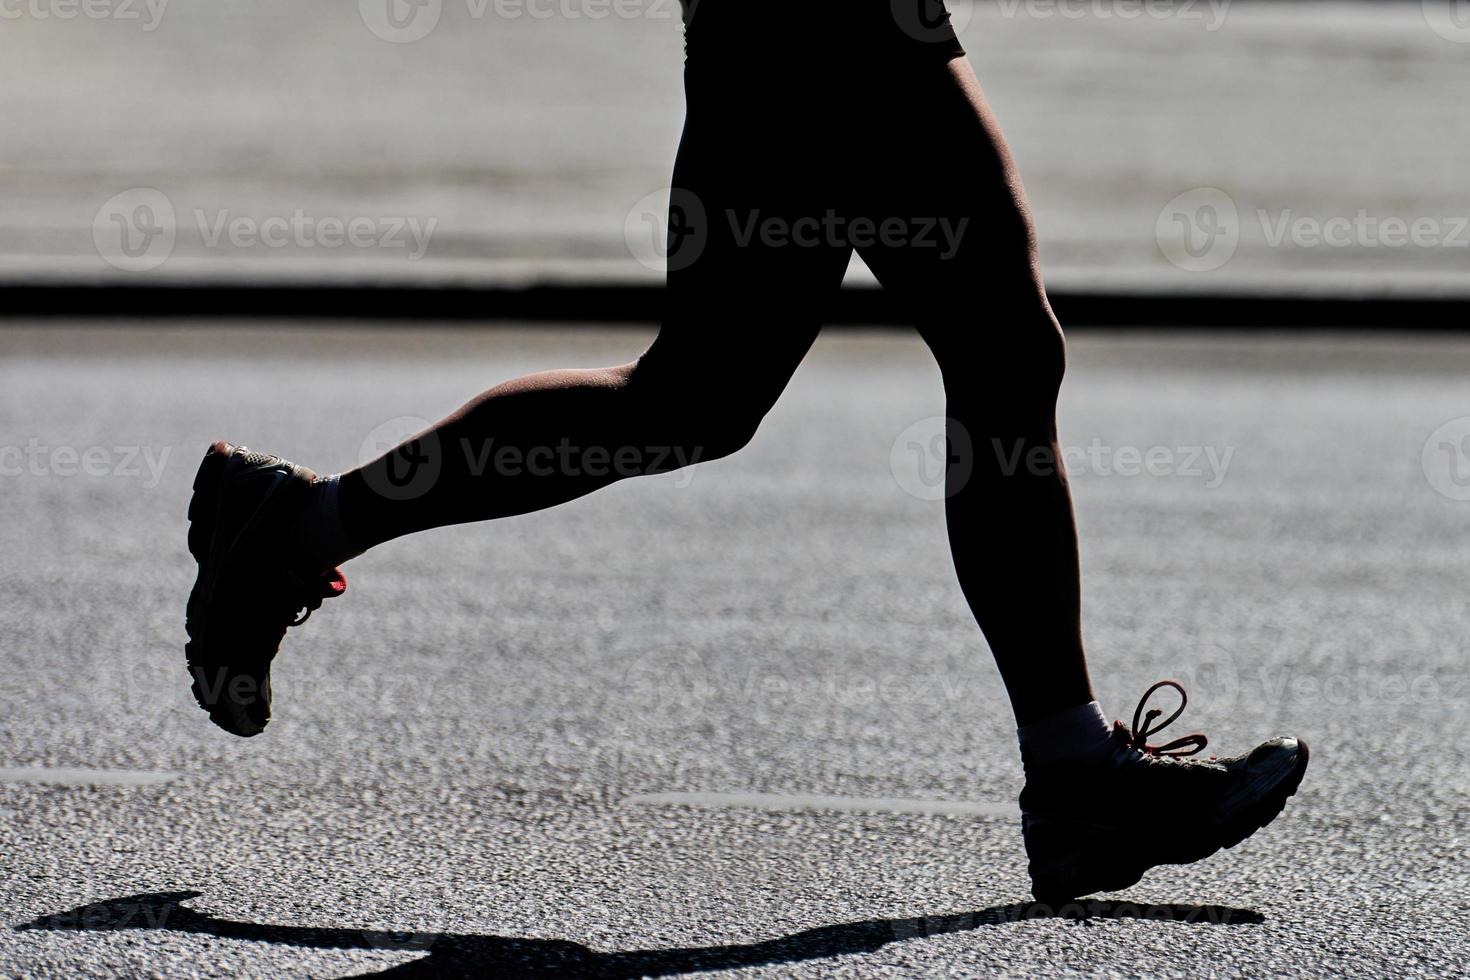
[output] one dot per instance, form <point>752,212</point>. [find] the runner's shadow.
<point>457,954</point>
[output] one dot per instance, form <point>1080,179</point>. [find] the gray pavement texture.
<point>528,138</point>
<point>489,756</point>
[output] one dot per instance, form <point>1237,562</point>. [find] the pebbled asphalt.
<point>734,719</point>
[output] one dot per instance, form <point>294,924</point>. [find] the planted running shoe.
<point>250,588</point>
<point>1098,827</point>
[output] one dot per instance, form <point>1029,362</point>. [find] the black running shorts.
<point>831,34</point>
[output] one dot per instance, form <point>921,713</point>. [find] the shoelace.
<point>301,614</point>
<point>307,598</point>
<point>1191,744</point>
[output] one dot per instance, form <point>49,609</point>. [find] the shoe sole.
<point>203,516</point>
<point>1126,874</point>
<point>210,555</point>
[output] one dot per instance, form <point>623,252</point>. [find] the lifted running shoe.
<point>248,591</point>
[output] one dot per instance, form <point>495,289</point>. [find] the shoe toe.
<point>239,710</point>
<point>237,721</point>
<point>1276,764</point>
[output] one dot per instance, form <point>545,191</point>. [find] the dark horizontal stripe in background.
<point>644,303</point>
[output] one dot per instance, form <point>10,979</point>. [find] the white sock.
<point>319,531</point>
<point>1081,734</point>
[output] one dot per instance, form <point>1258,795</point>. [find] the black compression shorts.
<point>862,34</point>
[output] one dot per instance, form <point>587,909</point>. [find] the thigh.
<point>752,271</point>
<point>963,260</point>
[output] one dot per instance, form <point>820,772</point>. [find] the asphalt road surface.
<point>734,719</point>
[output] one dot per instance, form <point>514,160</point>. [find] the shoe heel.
<point>1070,860</point>
<point>1055,859</point>
<point>205,498</point>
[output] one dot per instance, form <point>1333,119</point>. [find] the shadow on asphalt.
<point>451,954</point>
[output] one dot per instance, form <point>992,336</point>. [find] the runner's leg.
<point>744,310</point>
<point>977,295</point>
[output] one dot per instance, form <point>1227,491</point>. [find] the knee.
<point>716,430</point>
<point>1017,356</point>
<point>696,420</point>
<point>1042,357</point>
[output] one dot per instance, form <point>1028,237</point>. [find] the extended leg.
<point>743,313</point>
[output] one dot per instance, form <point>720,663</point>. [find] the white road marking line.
<point>86,777</point>
<point>843,804</point>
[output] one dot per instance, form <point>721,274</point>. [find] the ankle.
<point>1076,735</point>
<point>321,537</point>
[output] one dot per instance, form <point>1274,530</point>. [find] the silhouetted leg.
<point>743,313</point>
<point>980,304</point>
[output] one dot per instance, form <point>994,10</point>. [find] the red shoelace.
<point>1144,727</point>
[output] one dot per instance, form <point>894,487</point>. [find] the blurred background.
<point>1167,145</point>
